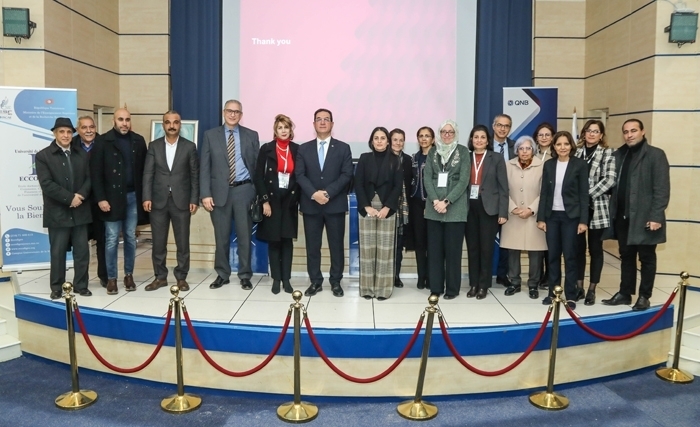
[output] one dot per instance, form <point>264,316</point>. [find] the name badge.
<point>474,191</point>
<point>283,179</point>
<point>442,180</point>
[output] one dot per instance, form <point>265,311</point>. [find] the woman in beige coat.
<point>520,233</point>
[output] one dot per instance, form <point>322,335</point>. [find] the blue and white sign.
<point>529,107</point>
<point>26,118</point>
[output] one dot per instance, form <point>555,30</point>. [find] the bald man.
<point>116,171</point>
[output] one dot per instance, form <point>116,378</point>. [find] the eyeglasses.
<point>502,126</point>
<point>544,135</point>
<point>592,131</point>
<point>323,119</point>
<point>528,148</point>
<point>232,112</point>
<point>447,132</point>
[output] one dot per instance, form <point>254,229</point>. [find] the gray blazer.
<point>458,169</point>
<point>213,165</point>
<point>182,179</point>
<point>493,188</point>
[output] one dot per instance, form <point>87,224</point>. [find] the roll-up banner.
<point>529,107</point>
<point>26,118</point>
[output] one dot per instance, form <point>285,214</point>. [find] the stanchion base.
<point>549,401</point>
<point>419,411</point>
<point>297,412</point>
<point>71,401</point>
<point>181,404</point>
<point>674,375</point>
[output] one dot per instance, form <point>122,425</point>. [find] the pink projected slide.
<point>371,62</point>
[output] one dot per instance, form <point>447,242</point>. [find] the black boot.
<point>287,286</point>
<point>275,287</point>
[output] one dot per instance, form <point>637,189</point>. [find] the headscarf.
<point>446,150</point>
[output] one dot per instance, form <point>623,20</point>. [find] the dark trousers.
<point>628,263</point>
<point>96,231</point>
<point>503,254</point>
<point>335,233</point>
<point>160,228</point>
<point>561,239</point>
<point>595,247</point>
<point>280,255</point>
<point>535,261</point>
<point>445,256</point>
<point>60,240</point>
<point>236,208</point>
<point>416,208</point>
<point>481,238</point>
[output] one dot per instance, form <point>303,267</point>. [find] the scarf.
<point>446,150</point>
<point>285,161</point>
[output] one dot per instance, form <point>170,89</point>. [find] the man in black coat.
<point>637,209</point>
<point>65,183</point>
<point>116,171</point>
<point>84,141</point>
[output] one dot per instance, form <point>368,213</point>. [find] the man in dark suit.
<point>65,183</point>
<point>324,171</point>
<point>84,141</point>
<point>229,154</point>
<point>504,146</point>
<point>116,171</point>
<point>171,195</point>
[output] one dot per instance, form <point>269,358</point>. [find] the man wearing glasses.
<point>324,171</point>
<point>505,147</point>
<point>228,157</point>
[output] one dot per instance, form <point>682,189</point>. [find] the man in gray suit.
<point>229,154</point>
<point>171,195</point>
<point>504,146</point>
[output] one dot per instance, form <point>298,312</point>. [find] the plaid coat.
<point>601,179</point>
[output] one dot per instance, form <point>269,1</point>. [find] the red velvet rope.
<point>234,373</point>
<point>389,370</point>
<point>102,360</point>
<point>508,368</point>
<point>632,334</point>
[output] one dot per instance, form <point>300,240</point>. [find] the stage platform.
<point>239,328</point>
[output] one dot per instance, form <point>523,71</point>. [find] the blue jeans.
<point>128,228</point>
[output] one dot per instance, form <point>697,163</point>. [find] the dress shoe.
<point>641,304</point>
<point>367,297</point>
<point>219,282</point>
<point>112,288</point>
<point>313,289</point>
<point>275,287</point>
<point>103,282</point>
<point>590,297</point>
<point>547,300</point>
<point>246,285</point>
<point>85,292</point>
<point>183,285</point>
<point>398,283</point>
<point>382,298</point>
<point>129,283</point>
<point>502,280</point>
<point>287,286</point>
<point>421,284</point>
<point>472,292</point>
<point>337,290</point>
<point>156,284</point>
<point>56,294</point>
<point>571,305</point>
<point>449,296</point>
<point>618,299</point>
<point>482,293</point>
<point>580,294</point>
<point>512,290</point>
<point>533,292</point>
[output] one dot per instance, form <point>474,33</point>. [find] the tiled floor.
<point>231,304</point>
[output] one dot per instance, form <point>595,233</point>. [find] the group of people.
<point>549,195</point>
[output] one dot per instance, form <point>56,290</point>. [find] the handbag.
<point>256,210</point>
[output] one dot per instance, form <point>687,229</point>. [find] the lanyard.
<point>285,157</point>
<point>478,166</point>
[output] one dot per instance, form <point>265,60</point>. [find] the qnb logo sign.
<point>512,102</point>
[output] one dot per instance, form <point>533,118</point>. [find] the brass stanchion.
<point>548,399</point>
<point>297,411</point>
<point>673,374</point>
<point>417,409</point>
<point>76,398</point>
<point>181,402</point>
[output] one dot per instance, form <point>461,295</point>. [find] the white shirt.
<point>558,204</point>
<point>170,152</point>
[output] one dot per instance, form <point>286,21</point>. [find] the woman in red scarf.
<point>276,186</point>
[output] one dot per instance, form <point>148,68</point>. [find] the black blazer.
<point>574,190</point>
<point>334,178</point>
<point>493,187</point>
<point>388,185</point>
<point>511,148</point>
<point>407,165</point>
<point>182,180</point>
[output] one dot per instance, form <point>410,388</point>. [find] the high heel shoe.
<point>287,286</point>
<point>275,287</point>
<point>590,297</point>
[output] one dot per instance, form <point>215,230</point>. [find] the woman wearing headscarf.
<point>378,184</point>
<point>446,176</point>
<point>416,204</point>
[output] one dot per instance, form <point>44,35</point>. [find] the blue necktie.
<point>321,155</point>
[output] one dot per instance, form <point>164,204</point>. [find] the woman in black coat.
<point>563,212</point>
<point>404,235</point>
<point>276,185</point>
<point>416,204</point>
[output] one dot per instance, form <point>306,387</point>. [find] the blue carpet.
<point>28,387</point>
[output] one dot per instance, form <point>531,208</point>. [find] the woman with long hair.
<point>416,204</point>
